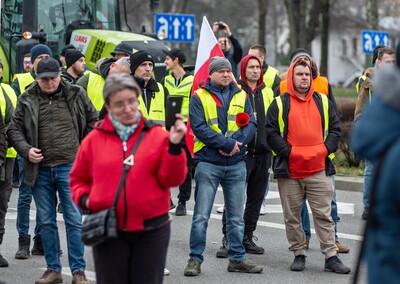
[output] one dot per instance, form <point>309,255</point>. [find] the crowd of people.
<point>71,130</point>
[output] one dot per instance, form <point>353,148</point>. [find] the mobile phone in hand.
<point>173,106</point>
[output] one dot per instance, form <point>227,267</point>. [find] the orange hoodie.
<point>305,133</point>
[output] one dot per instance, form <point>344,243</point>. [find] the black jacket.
<point>279,144</point>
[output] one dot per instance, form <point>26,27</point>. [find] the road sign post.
<point>174,27</point>
<point>370,39</point>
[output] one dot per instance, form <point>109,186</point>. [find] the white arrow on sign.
<point>368,42</point>
<point>163,30</point>
<point>176,25</point>
<point>189,25</point>
<point>385,41</point>
<point>377,40</point>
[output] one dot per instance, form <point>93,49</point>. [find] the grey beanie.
<point>218,63</point>
<point>299,52</point>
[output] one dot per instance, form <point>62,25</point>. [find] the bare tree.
<point>325,5</point>
<point>262,19</point>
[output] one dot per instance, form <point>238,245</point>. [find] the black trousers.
<point>133,258</point>
<point>185,189</point>
<point>5,192</point>
<point>257,181</point>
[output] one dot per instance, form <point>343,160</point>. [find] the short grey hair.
<point>124,61</point>
<point>119,82</point>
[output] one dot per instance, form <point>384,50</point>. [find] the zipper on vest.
<point>125,148</point>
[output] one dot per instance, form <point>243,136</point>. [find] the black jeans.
<point>185,189</point>
<point>5,191</point>
<point>137,257</point>
<point>257,181</point>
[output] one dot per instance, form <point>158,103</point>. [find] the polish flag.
<point>208,48</point>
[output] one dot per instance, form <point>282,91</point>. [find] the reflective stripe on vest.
<point>236,106</point>
<point>10,93</point>
<point>182,90</point>
<point>268,97</point>
<point>24,79</point>
<point>325,108</point>
<point>95,90</point>
<point>363,78</point>
<point>269,76</point>
<point>157,106</point>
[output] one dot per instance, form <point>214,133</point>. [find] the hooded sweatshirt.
<point>305,132</point>
<point>258,145</point>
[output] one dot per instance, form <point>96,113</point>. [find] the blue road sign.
<point>370,39</point>
<point>174,27</point>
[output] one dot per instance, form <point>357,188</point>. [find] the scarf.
<point>124,131</point>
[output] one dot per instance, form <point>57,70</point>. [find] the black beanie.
<point>71,56</point>
<point>138,58</point>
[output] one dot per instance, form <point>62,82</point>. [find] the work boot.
<point>24,243</point>
<point>193,268</point>
<point>50,277</point>
<point>334,264</point>
<point>244,266</point>
<point>3,261</point>
<point>181,209</point>
<point>223,250</point>
<point>342,248</point>
<point>37,248</point>
<point>250,246</point>
<point>79,278</point>
<point>299,263</point>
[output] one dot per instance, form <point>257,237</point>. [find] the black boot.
<point>3,261</point>
<point>37,248</point>
<point>250,246</point>
<point>24,243</point>
<point>181,209</point>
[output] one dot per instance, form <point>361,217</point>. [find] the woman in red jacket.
<point>138,254</point>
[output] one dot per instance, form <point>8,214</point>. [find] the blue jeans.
<point>368,176</point>
<point>305,218</point>
<point>24,204</point>
<point>49,181</point>
<point>233,181</point>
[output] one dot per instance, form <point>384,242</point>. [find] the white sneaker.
<point>220,209</point>
<point>263,210</point>
<point>166,272</point>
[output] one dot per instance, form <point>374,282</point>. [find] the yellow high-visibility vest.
<point>183,90</point>
<point>95,90</point>
<point>10,93</point>
<point>157,106</point>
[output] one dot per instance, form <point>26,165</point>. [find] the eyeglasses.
<point>27,62</point>
<point>122,105</point>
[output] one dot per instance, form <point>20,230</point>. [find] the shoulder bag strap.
<point>127,167</point>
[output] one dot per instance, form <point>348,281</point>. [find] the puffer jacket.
<point>23,131</point>
<point>377,135</point>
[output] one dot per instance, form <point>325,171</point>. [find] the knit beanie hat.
<point>138,58</point>
<point>67,47</point>
<point>218,63</point>
<point>299,52</point>
<point>39,49</point>
<point>71,56</point>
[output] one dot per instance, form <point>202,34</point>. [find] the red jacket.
<point>98,169</point>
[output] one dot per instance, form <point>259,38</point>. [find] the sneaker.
<point>79,278</point>
<point>334,264</point>
<point>193,268</point>
<point>166,272</point>
<point>250,246</point>
<point>299,263</point>
<point>171,204</point>
<point>263,209</point>
<point>244,266</point>
<point>223,250</point>
<point>307,244</point>
<point>342,248</point>
<point>50,277</point>
<point>3,261</point>
<point>220,209</point>
<point>365,213</point>
<point>181,209</point>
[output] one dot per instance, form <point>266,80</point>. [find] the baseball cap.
<point>47,67</point>
<point>176,52</point>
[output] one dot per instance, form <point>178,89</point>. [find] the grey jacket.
<point>23,131</point>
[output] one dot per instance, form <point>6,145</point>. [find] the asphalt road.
<point>270,232</point>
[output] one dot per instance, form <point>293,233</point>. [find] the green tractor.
<point>92,26</point>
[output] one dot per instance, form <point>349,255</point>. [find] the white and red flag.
<point>208,48</point>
